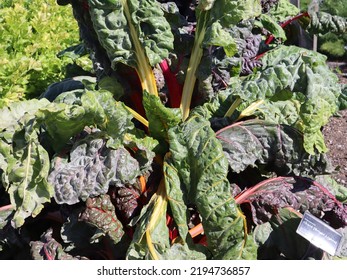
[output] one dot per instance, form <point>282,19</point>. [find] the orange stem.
<point>142,184</point>
<point>195,231</point>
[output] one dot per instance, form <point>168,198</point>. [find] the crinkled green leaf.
<point>277,148</point>
<point>304,73</point>
<point>25,163</point>
<point>25,171</point>
<point>11,115</point>
<point>217,36</point>
<point>6,215</point>
<point>283,10</point>
<point>109,115</point>
<point>27,175</point>
<point>271,25</point>
<point>160,118</point>
<point>62,121</point>
<point>90,169</point>
<point>178,200</point>
<point>124,27</point>
<point>286,111</point>
<point>229,12</point>
<point>338,190</point>
<point>202,167</point>
<point>322,23</point>
<point>100,212</point>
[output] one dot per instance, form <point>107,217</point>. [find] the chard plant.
<point>198,138</point>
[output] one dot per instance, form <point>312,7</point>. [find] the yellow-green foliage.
<point>32,32</point>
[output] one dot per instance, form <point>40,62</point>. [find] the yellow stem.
<point>159,209</point>
<point>137,116</point>
<point>190,79</point>
<point>233,107</point>
<point>250,109</point>
<point>144,69</point>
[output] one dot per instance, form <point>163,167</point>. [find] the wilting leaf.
<point>100,213</point>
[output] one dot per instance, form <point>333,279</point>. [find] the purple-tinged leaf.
<point>91,169</point>
<point>299,193</point>
<point>277,148</point>
<point>100,213</point>
<point>127,201</point>
<point>50,249</point>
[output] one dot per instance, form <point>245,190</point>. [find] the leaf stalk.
<point>144,69</point>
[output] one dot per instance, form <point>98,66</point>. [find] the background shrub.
<point>32,33</point>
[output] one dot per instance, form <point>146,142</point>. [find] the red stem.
<point>284,24</point>
<point>175,89</point>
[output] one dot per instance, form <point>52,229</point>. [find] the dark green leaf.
<point>147,29</point>
<point>277,148</point>
<point>322,23</point>
<point>202,167</point>
<point>304,73</point>
<point>278,239</point>
<point>160,118</point>
<point>271,25</point>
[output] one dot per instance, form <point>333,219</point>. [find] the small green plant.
<point>32,33</point>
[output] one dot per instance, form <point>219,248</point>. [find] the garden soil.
<point>335,133</point>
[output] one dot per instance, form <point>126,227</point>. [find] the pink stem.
<point>6,207</point>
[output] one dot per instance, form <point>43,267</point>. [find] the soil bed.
<point>335,133</point>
